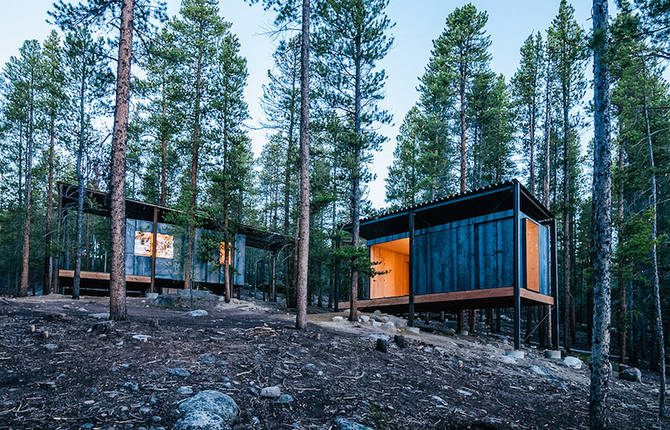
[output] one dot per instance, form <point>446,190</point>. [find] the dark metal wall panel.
<point>544,260</point>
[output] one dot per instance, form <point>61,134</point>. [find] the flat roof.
<point>481,201</point>
<point>98,203</point>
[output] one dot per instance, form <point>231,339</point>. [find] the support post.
<point>517,265</point>
<point>554,288</point>
<point>274,277</point>
<point>154,243</point>
<point>410,309</point>
<point>56,268</point>
<point>336,286</point>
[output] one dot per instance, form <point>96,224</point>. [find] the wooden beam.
<point>536,297</point>
<point>101,276</point>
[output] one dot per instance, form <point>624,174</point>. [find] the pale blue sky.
<point>418,22</point>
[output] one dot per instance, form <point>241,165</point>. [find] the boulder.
<point>573,362</point>
<point>632,374</point>
<point>208,409</point>
<point>179,371</point>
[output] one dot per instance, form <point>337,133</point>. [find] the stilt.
<point>517,265</point>
<point>554,288</point>
<point>410,309</point>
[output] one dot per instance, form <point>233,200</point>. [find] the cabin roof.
<point>481,201</point>
<point>98,203</point>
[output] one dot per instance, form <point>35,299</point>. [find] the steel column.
<point>517,265</point>
<point>554,288</point>
<point>410,310</point>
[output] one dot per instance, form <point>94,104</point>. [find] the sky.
<point>417,24</point>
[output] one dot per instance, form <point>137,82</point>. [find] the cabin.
<point>154,262</point>
<point>494,247</point>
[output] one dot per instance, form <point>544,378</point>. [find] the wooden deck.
<point>470,299</point>
<point>101,276</point>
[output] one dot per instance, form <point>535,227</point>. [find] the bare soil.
<point>331,370</point>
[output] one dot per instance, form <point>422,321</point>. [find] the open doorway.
<point>393,258</point>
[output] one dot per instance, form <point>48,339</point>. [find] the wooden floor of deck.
<point>102,276</point>
<point>457,300</point>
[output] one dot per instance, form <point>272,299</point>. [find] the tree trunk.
<point>76,280</point>
<point>194,173</point>
<point>602,235</point>
<point>48,260</point>
<point>303,238</point>
<point>117,272</point>
<point>566,225</point>
<point>658,323</point>
<point>531,182</point>
<point>623,320</point>
<point>29,183</point>
<point>163,194</point>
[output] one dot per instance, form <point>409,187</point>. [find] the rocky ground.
<point>242,366</point>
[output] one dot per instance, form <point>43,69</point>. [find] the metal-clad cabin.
<point>492,247</point>
<point>156,261</point>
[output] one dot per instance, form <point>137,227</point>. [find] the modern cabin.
<point>154,262</point>
<point>489,248</point>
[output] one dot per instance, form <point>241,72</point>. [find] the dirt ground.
<point>111,380</point>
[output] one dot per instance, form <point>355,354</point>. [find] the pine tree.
<point>566,47</point>
<point>54,101</point>
<point>404,180</point>
<point>526,93</point>
<point>352,38</point>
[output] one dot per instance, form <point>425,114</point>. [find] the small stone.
<point>271,392</point>
<point>632,374</point>
<point>377,312</point>
<point>100,328</point>
<point>208,409</point>
<point>441,403</point>
<point>364,318</point>
<point>131,386</point>
<point>284,399</point>
<point>414,330</point>
<point>540,371</point>
<point>141,337</point>
<point>86,426</point>
<point>197,313</point>
<point>145,410</point>
<point>156,419</point>
<point>389,326</point>
<point>153,400</point>
<point>255,421</point>
<point>573,362</point>
<point>508,360</point>
<point>179,371</point>
<point>185,391</point>
<point>382,345</point>
<point>89,402</point>
<point>463,392</point>
<point>338,318</point>
<point>151,296</point>
<point>208,360</point>
<point>400,340</point>
<point>463,332</point>
<point>50,346</point>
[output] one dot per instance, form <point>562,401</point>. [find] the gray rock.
<point>271,392</point>
<point>541,371</point>
<point>414,330</point>
<point>208,409</point>
<point>151,296</point>
<point>284,399</point>
<point>185,390</point>
<point>338,318</point>
<point>50,346</point>
<point>463,392</point>
<point>632,374</point>
<point>197,313</point>
<point>179,371</point>
<point>508,360</point>
<point>382,345</point>
<point>208,360</point>
<point>100,316</point>
<point>441,403</point>
<point>86,426</point>
<point>346,424</point>
<point>515,353</point>
<point>255,421</point>
<point>573,362</point>
<point>201,420</point>
<point>364,318</point>
<point>145,410</point>
<point>156,419</point>
<point>141,337</point>
<point>389,326</point>
<point>100,328</point>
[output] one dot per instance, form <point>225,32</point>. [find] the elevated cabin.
<point>492,247</point>
<point>153,261</point>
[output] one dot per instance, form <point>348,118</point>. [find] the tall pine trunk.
<point>29,188</point>
<point>602,222</point>
<point>658,316</point>
<point>623,320</point>
<point>461,314</point>
<point>48,259</point>
<point>190,235</point>
<point>76,281</point>
<point>546,195</point>
<point>303,239</point>
<point>566,223</point>
<point>117,182</point>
